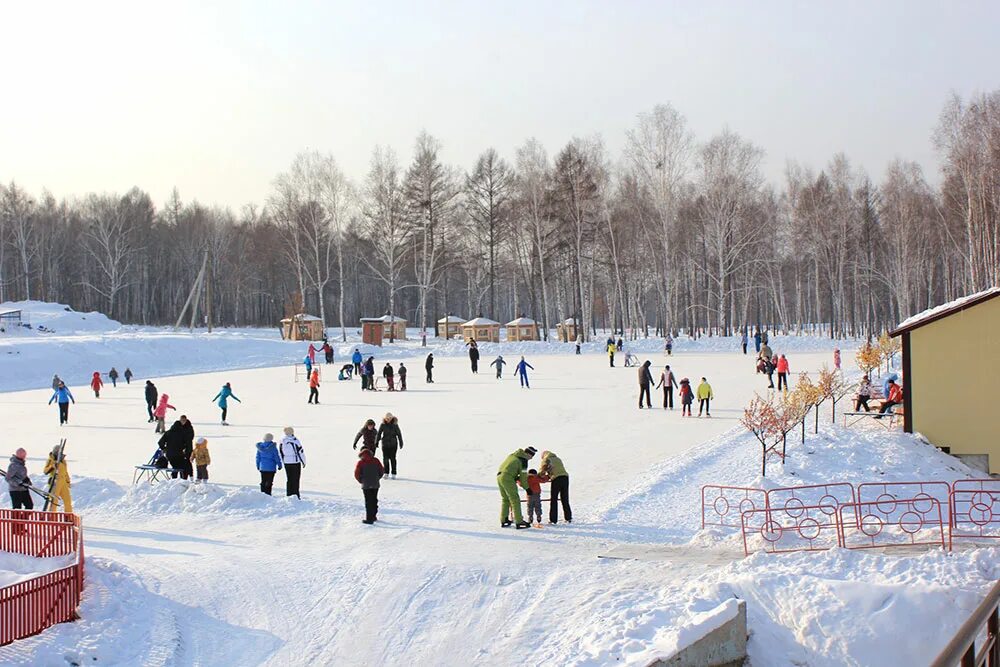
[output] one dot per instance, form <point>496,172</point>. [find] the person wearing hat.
<point>294,458</point>
<point>268,461</point>
<point>63,396</point>
<point>58,474</point>
<point>222,399</point>
<point>552,470</point>
<point>201,459</point>
<point>178,444</point>
<point>369,434</point>
<point>18,481</point>
<point>368,471</point>
<point>513,471</point>
<point>391,438</point>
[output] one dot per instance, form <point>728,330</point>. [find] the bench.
<point>887,420</point>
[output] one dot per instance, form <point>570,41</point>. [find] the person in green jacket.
<point>705,395</point>
<point>553,471</point>
<point>514,469</point>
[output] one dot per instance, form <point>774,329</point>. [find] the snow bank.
<point>15,568</point>
<point>56,318</point>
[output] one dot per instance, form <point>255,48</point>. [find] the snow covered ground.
<point>222,574</point>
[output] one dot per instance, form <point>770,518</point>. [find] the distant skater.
<point>160,413</point>
<point>402,376</point>
<point>356,360</point>
<point>668,383</point>
<point>782,373</point>
<point>368,473</point>
<point>128,375</point>
<point>223,397</point>
<point>390,376</point>
<point>368,435</point>
<point>391,439</point>
<point>429,367</point>
<point>96,384</point>
<point>113,376</point>
<point>705,397</point>
<point>150,391</point>
<point>522,372</point>
<point>474,356</point>
<point>63,397</point>
<point>314,387</point>
<point>687,397</point>
<point>645,380</point>
<point>499,363</point>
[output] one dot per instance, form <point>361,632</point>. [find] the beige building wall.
<point>954,381</point>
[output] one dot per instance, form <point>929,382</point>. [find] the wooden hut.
<point>523,328</point>
<point>376,329</point>
<point>482,330</point>
<point>449,327</point>
<point>302,327</point>
<point>567,330</point>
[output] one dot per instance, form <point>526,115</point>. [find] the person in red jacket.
<point>534,493</point>
<point>96,384</point>
<point>895,397</point>
<point>368,472</point>
<point>782,368</point>
<point>314,387</point>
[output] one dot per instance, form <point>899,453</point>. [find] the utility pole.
<point>208,292</point>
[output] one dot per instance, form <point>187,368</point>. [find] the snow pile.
<point>15,568</point>
<point>56,318</point>
<point>697,626</point>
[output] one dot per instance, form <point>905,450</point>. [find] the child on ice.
<point>160,413</point>
<point>96,384</point>
<point>534,493</point>
<point>369,434</point>
<point>687,397</point>
<point>201,459</point>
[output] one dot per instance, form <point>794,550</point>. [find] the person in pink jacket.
<point>160,413</point>
<point>782,368</point>
<point>836,358</point>
<point>96,384</point>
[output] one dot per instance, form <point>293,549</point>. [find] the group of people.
<point>20,487</point>
<point>520,370</point>
<point>62,396</point>
<point>514,472</point>
<point>668,382</point>
<point>892,393</point>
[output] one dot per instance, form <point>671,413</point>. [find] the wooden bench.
<point>887,420</point>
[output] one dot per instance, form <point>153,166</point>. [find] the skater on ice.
<point>499,363</point>
<point>356,360</point>
<point>743,341</point>
<point>554,472</point>
<point>389,375</point>
<point>268,462</point>
<point>202,459</point>
<point>314,387</point>
<point>611,352</point>
<point>55,382</point>
<point>756,341</point>
<point>705,397</point>
<point>687,397</point>
<point>328,352</point>
<point>308,363</point>
<point>522,372</point>
<point>18,482</point>
<point>402,376</point>
<point>293,456</point>
<point>782,368</point>
<point>96,384</point>
<point>368,434</point>
<point>513,471</point>
<point>645,380</point>
<point>160,413</point>
<point>668,383</point>
<point>668,345</point>
<point>474,355</point>
<point>533,491</point>
<point>312,354</point>
<point>370,373</point>
<point>150,392</point>
<point>836,358</point>
<point>128,375</point>
<point>63,396</point>
<point>223,401</point>
<point>113,376</point>
<point>368,472</point>
<point>391,439</point>
<point>429,367</point>
<point>346,372</point>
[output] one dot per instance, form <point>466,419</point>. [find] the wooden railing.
<point>28,607</point>
<point>961,650</point>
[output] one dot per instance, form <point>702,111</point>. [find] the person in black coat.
<point>391,438</point>
<point>402,376</point>
<point>474,356</point>
<point>178,445</point>
<point>429,366</point>
<point>151,396</point>
<point>645,380</point>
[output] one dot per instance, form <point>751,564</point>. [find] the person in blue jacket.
<point>268,461</point>
<point>223,397</point>
<point>894,377</point>
<point>522,372</point>
<point>309,366</point>
<point>499,363</point>
<point>757,340</point>
<point>356,359</point>
<point>63,397</point>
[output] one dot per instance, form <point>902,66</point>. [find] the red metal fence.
<point>975,509</point>
<point>723,505</point>
<point>28,607</point>
<point>882,491</point>
<point>787,529</point>
<point>892,522</point>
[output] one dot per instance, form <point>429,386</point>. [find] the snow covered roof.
<point>521,322</point>
<point>945,309</point>
<point>384,318</point>
<point>451,319</point>
<point>570,320</point>
<point>302,317</point>
<point>481,322</point>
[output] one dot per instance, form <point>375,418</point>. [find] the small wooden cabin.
<point>523,328</point>
<point>449,327</point>
<point>372,330</point>
<point>482,330</point>
<point>302,327</point>
<point>567,330</point>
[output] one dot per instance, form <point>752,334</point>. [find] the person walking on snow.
<point>314,388</point>
<point>328,352</point>
<point>668,383</point>
<point>293,456</point>
<point>621,344</point>
<point>429,367</point>
<point>705,396</point>
<point>864,393</point>
<point>113,375</point>
<point>201,459</point>
<point>223,397</point>
<point>178,445</point>
<point>499,363</point>
<point>370,373</point>
<point>513,470</point>
<point>402,376</point>
<point>18,481</point>
<point>645,380</point>
<point>474,356</point>
<point>836,358</point>
<point>312,354</point>
<point>307,362</point>
<point>743,341</point>
<point>63,397</point>
<point>534,493</point>
<point>391,438</point>
<point>160,413</point>
<point>128,375</point>
<point>756,341</point>
<point>356,360</point>
<point>368,473</point>
<point>150,391</point>
<point>668,345</point>
<point>96,384</point>
<point>390,376</point>
<point>58,472</point>
<point>782,373</point>
<point>268,462</point>
<point>553,471</point>
<point>55,382</point>
<point>522,372</point>
<point>687,397</point>
<point>611,352</point>
<point>369,434</point>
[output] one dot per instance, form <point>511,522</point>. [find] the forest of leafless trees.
<point>678,232</point>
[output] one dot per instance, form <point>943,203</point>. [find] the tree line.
<point>674,233</point>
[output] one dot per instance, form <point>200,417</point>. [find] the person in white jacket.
<point>293,456</point>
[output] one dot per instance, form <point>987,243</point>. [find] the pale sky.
<point>101,96</point>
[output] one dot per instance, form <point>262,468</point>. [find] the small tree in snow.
<point>868,357</point>
<point>759,418</point>
<point>889,347</point>
<point>833,386</point>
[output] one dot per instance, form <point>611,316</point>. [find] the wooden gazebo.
<point>567,330</point>
<point>523,328</point>
<point>449,327</point>
<point>302,327</point>
<point>482,330</point>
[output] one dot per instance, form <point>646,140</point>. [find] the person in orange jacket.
<point>534,493</point>
<point>782,368</point>
<point>895,397</point>
<point>96,384</point>
<point>314,387</point>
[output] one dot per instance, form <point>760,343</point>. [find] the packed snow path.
<point>436,580</point>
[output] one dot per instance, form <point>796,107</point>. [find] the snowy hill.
<point>57,319</point>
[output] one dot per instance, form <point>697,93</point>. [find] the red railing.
<point>892,522</point>
<point>723,505</point>
<point>28,607</point>
<point>787,529</point>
